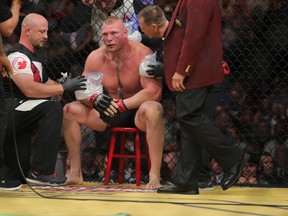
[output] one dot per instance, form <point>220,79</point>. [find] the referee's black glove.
<point>156,71</point>
<point>74,84</point>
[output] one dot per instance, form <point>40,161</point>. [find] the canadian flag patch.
<point>19,63</point>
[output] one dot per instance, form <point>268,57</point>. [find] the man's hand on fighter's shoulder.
<point>156,71</point>
<point>104,104</point>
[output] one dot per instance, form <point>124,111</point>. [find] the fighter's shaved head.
<point>114,19</point>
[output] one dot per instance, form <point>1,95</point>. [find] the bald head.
<point>33,20</point>
<point>34,31</point>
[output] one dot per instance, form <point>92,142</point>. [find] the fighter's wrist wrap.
<point>92,98</point>
<point>121,106</point>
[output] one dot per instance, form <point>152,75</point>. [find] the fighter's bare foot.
<point>73,180</point>
<point>153,184</point>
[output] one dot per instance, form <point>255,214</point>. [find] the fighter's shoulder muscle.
<point>95,55</point>
<point>94,60</point>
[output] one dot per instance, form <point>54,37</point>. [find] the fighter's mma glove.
<point>105,118</point>
<point>101,102</point>
<point>74,84</point>
<point>156,71</point>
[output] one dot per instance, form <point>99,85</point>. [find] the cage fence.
<point>252,111</point>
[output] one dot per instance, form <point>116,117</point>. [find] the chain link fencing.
<point>252,112</point>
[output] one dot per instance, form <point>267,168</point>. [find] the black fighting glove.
<point>156,71</point>
<point>102,103</point>
<point>74,84</point>
<point>106,118</point>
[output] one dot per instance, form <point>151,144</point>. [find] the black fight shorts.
<point>125,119</point>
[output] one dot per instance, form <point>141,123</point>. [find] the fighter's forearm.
<point>144,95</point>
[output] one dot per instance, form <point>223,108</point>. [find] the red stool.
<point>122,156</point>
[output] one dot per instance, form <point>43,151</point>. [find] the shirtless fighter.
<point>128,99</point>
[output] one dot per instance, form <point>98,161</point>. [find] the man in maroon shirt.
<point>193,66</point>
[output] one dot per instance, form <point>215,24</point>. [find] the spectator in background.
<point>279,113</point>
<point>281,164</point>
<point>59,56</point>
<point>167,6</point>
<point>264,111</point>
<point>140,4</point>
<point>57,10</point>
<point>249,174</point>
<point>262,139</point>
<point>88,163</point>
<point>266,173</point>
<point>276,148</point>
<point>276,32</point>
<point>262,5</point>
<point>223,121</point>
<point>241,115</point>
<point>104,8</point>
<point>278,137</point>
<point>235,34</point>
<point>9,16</point>
<point>216,172</point>
<point>237,101</point>
<point>27,100</point>
<point>84,43</point>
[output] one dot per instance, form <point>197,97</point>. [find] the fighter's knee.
<point>151,109</point>
<point>66,109</point>
<point>70,110</point>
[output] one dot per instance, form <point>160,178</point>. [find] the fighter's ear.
<point>126,33</point>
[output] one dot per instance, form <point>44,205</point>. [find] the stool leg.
<point>138,159</point>
<point>110,158</point>
<point>121,159</point>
